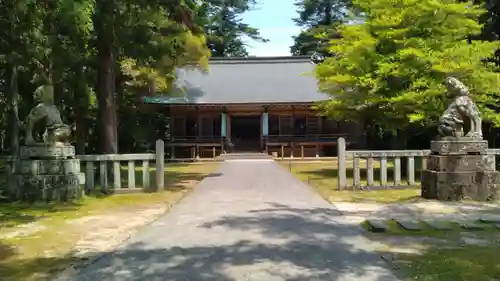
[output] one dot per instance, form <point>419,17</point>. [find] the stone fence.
<point>373,169</point>
<point>104,163</point>
<point>97,169</point>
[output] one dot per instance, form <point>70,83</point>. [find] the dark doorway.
<point>245,133</point>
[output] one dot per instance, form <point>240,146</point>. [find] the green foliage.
<point>224,27</point>
<point>390,68</point>
<point>319,18</point>
<point>314,39</point>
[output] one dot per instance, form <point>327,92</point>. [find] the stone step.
<point>230,156</point>
<point>472,226</point>
<point>438,225</point>
<point>490,218</point>
<point>413,225</point>
<point>377,225</point>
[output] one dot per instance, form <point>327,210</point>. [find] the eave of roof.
<point>250,80</point>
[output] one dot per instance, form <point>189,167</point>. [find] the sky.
<point>273,18</point>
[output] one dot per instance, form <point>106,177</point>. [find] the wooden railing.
<point>357,168</point>
<point>304,138</point>
<point>195,139</point>
<point>289,144</point>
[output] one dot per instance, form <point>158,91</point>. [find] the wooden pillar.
<point>228,125</point>
<point>223,125</point>
<point>173,133</point>
<point>198,122</point>
<point>223,131</point>
<point>320,124</point>
<point>264,129</point>
<point>293,132</point>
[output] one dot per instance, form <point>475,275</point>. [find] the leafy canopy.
<point>317,17</point>
<point>390,68</point>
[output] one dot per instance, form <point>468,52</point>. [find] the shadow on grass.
<point>6,251</point>
<point>333,174</point>
<point>15,213</point>
<point>303,244</point>
<point>43,268</point>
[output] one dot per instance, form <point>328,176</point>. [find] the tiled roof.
<point>246,80</point>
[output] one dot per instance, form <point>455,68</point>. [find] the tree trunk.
<point>81,112</point>
<point>106,77</point>
<point>13,108</point>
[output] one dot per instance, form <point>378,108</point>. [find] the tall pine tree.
<point>224,27</point>
<point>317,17</point>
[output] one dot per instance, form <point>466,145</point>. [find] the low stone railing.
<point>97,168</point>
<point>351,164</point>
<point>103,161</point>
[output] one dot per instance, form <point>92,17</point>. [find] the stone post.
<point>341,155</point>
<point>160,165</point>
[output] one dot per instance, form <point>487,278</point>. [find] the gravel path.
<point>250,221</point>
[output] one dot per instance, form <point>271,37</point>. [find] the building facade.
<point>250,104</point>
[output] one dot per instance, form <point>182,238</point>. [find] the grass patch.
<point>323,177</point>
<point>451,261</point>
<point>462,264</point>
<point>44,233</point>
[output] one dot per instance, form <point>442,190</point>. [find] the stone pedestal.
<point>48,173</point>
<point>459,168</point>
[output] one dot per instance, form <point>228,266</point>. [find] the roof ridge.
<point>252,60</point>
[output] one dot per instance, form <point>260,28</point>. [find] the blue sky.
<point>273,18</point>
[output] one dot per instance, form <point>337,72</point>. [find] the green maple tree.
<point>389,69</point>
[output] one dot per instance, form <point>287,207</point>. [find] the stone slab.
<point>460,163</point>
<point>456,186</point>
<point>377,225</point>
<point>47,166</point>
<point>49,152</point>
<point>413,225</point>
<point>459,146</point>
<point>472,226</point>
<point>439,225</point>
<point>474,241</point>
<point>490,218</point>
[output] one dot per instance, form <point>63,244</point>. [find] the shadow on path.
<point>277,243</point>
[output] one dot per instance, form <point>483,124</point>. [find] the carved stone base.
<point>44,166</point>
<point>47,173</point>
<point>450,163</point>
<point>48,187</point>
<point>462,145</point>
<point>455,186</point>
<point>46,152</point>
